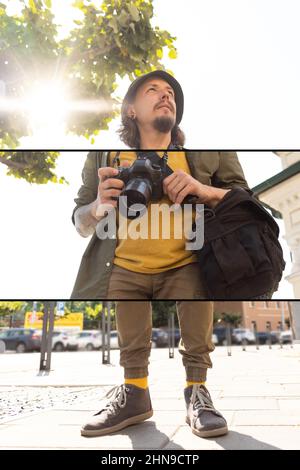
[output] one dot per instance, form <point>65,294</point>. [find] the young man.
<point>147,269</point>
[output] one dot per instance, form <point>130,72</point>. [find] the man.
<point>147,269</point>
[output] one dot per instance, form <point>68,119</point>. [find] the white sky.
<point>239,69</point>
<point>238,66</point>
<point>40,250</point>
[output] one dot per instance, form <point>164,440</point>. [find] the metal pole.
<point>282,315</point>
<point>106,332</point>
<point>228,339</point>
<point>268,327</point>
<point>254,326</point>
<point>47,331</point>
<point>104,358</point>
<point>280,329</point>
<point>171,335</point>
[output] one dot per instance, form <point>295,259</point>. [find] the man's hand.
<point>108,190</point>
<point>179,185</point>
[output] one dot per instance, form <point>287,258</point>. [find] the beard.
<point>163,124</point>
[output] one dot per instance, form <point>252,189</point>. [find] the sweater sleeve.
<point>89,188</point>
<point>229,173</point>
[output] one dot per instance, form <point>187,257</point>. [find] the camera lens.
<point>138,191</point>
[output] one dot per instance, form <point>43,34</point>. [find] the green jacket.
<point>219,169</point>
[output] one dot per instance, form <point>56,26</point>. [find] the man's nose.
<point>164,95</point>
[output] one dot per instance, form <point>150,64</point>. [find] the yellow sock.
<point>140,382</point>
<point>188,384</point>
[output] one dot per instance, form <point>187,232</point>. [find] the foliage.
<point>112,39</point>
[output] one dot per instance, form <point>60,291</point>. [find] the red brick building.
<point>259,311</point>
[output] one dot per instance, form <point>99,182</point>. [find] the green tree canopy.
<point>113,39</point>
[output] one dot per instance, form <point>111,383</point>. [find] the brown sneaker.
<point>203,418</point>
<point>128,405</point>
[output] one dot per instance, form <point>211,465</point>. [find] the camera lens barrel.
<point>138,191</point>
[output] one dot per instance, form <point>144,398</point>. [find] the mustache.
<point>164,103</point>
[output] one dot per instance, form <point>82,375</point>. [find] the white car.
<point>59,341</point>
<point>215,338</point>
<point>286,336</point>
<point>241,335</point>
<point>90,340</point>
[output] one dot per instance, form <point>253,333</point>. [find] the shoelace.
<point>117,396</point>
<point>201,400</point>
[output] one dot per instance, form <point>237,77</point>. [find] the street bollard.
<point>47,332</point>
<point>268,327</point>
<point>171,335</point>
<point>244,343</point>
<point>2,347</point>
<point>280,330</point>
<point>106,322</point>
<point>228,339</point>
<point>254,328</point>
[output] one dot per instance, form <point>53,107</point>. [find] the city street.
<point>257,391</point>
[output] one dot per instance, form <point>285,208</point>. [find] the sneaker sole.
<point>210,433</point>
<point>117,427</point>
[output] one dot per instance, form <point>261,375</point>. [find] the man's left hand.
<point>179,185</point>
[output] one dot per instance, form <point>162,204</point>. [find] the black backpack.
<point>241,257</point>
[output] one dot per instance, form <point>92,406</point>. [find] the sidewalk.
<point>257,391</point>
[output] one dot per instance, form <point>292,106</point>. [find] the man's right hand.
<point>108,189</point>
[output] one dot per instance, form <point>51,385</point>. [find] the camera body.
<point>144,183</point>
<point>144,179</point>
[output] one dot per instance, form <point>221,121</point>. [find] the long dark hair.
<point>130,135</point>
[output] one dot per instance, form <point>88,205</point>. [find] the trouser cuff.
<point>196,374</point>
<point>136,372</point>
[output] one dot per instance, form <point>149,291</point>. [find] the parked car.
<point>263,337</point>
<point>60,341</point>
<point>21,339</point>
<point>215,339</point>
<point>240,335</point>
<point>160,338</point>
<point>286,336</point>
<point>221,334</point>
<point>90,340</point>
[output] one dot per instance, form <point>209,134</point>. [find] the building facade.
<point>282,193</point>
<point>259,311</point>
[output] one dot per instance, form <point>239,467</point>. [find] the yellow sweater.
<point>151,253</point>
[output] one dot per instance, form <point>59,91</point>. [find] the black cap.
<point>131,92</point>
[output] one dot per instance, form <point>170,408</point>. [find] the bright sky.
<point>40,250</point>
<point>238,66</point>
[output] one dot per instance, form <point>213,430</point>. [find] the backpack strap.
<point>101,159</point>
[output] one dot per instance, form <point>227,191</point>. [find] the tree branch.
<point>15,165</point>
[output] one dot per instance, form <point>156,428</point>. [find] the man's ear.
<point>131,112</point>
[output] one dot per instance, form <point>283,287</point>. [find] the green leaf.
<point>48,3</point>
<point>173,54</point>
<point>32,6</point>
<point>159,53</point>
<point>134,12</point>
<point>110,39</point>
<point>78,4</point>
<point>114,25</point>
